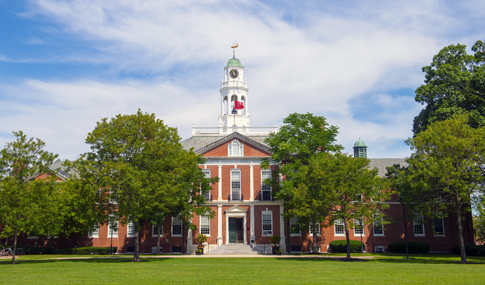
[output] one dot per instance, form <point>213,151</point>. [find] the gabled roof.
<point>382,163</point>
<point>203,144</point>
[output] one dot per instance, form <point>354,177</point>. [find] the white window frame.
<point>240,190</point>
<point>379,222</point>
<point>336,223</point>
<point>207,174</point>
<point>207,226</point>
<point>310,229</point>
<point>268,172</point>
<point>128,229</point>
<point>176,235</point>
<point>94,231</point>
<point>442,225</point>
<point>294,221</point>
<point>357,222</point>
<point>155,228</point>
<point>235,148</point>
<point>418,221</point>
<point>112,200</point>
<point>115,230</point>
<point>32,236</point>
<point>263,231</point>
<point>360,197</point>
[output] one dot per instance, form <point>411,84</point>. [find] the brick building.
<point>245,210</point>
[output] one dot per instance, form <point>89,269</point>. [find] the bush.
<point>471,250</point>
<point>341,246</point>
<point>413,246</point>
<point>93,250</point>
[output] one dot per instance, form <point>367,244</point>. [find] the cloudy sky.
<point>64,65</point>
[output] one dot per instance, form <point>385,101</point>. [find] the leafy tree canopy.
<point>454,84</point>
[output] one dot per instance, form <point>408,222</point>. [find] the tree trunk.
<point>14,246</point>
<point>460,230</point>
<point>158,239</point>
<point>315,237</point>
<point>348,239</point>
<point>136,256</point>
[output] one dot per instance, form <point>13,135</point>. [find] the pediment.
<point>226,139</point>
<point>235,210</point>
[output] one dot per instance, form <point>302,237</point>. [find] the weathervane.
<point>234,46</point>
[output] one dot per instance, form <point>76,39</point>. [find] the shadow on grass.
<point>94,260</point>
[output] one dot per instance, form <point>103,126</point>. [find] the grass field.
<point>380,269</point>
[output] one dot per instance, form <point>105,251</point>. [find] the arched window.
<point>235,148</point>
<point>243,100</point>
<point>225,105</point>
<point>233,98</point>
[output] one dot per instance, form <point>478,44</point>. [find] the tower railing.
<point>202,131</point>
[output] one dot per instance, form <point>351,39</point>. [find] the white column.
<point>282,230</point>
<point>190,247</point>
<point>251,182</point>
<point>219,225</point>
<point>251,226</point>
<point>219,185</point>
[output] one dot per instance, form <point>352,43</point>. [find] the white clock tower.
<point>234,88</point>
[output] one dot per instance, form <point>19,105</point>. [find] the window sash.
<point>418,225</point>
<point>205,225</point>
<point>114,225</point>
<point>176,226</point>
<point>207,174</point>
<point>339,227</point>
<point>130,232</point>
<point>295,228</point>
<point>265,188</point>
<point>358,229</point>
<point>235,185</point>
<point>318,229</point>
<point>94,232</point>
<point>378,227</point>
<point>439,226</point>
<point>267,225</point>
<point>155,231</point>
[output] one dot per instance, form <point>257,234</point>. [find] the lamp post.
<point>111,247</point>
<point>401,200</point>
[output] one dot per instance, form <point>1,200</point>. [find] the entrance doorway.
<point>236,233</point>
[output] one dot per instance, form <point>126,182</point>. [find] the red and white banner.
<point>238,105</point>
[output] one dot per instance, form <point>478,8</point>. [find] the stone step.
<point>235,248</point>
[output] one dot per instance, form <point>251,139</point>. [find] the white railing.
<point>199,131</point>
<point>234,84</point>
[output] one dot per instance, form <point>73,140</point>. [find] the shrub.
<point>93,250</point>
<point>341,246</point>
<point>275,239</point>
<point>471,250</point>
<point>47,250</point>
<point>413,246</point>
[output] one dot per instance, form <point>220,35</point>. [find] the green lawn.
<point>382,269</point>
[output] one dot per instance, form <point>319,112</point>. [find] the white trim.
<point>154,228</point>
<point>263,231</point>
<point>357,222</point>
<point>266,171</point>
<point>235,148</point>
<point>378,224</point>
<point>310,231</point>
<point>171,231</point>
<point>115,229</point>
<point>338,223</point>
<point>418,221</point>
<point>94,232</point>
<point>231,181</point>
<point>209,224</point>
<point>128,226</point>
<point>236,212</point>
<point>294,221</point>
<point>442,224</point>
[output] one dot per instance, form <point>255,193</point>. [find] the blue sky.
<point>64,65</point>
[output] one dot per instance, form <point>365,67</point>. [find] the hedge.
<point>413,247</point>
<point>471,250</point>
<point>341,246</point>
<point>76,251</point>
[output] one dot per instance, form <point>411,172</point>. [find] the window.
<point>339,227</point>
<point>205,225</point>
<point>379,227</point>
<point>113,198</point>
<point>358,227</point>
<point>32,235</point>
<point>235,148</point>
<point>207,174</point>
<point>176,226</point>
<point>130,230</point>
<point>438,225</point>
<point>267,217</point>
<point>418,225</point>
<point>94,232</point>
<point>265,188</point>
<point>113,228</point>
<point>295,228</point>
<point>318,229</point>
<point>235,185</point>
<point>155,231</point>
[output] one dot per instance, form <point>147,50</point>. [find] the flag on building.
<point>238,105</point>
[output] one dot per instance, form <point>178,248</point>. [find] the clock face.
<point>234,73</point>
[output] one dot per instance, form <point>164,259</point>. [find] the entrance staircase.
<point>235,248</point>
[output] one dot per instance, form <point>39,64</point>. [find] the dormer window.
<point>235,148</point>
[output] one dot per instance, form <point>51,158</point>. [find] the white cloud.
<point>317,57</point>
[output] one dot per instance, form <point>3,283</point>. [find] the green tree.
<point>138,168</point>
<point>446,170</point>
<point>479,220</point>
<point>454,84</point>
<point>300,138</point>
<point>28,205</point>
<point>354,194</point>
